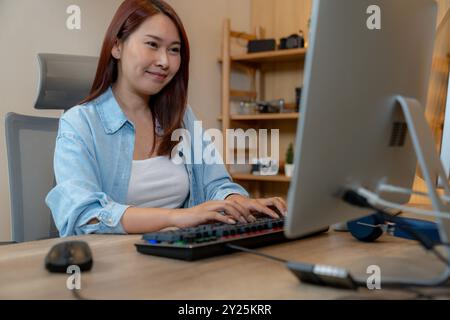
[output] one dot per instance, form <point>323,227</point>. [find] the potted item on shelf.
<point>289,166</point>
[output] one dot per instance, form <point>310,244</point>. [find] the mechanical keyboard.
<point>211,239</point>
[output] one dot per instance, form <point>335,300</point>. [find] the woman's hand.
<point>226,211</point>
<point>259,206</point>
<point>234,208</point>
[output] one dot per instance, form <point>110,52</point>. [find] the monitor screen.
<point>361,55</point>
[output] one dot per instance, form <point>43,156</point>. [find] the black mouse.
<point>68,253</point>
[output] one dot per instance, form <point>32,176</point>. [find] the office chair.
<point>30,143</point>
<point>64,80</point>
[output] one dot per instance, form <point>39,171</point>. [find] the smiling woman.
<point>112,158</point>
<point>153,59</point>
<point>136,43</point>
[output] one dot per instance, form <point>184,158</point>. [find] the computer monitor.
<point>361,55</point>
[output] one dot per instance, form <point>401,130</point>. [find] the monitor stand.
<point>432,168</point>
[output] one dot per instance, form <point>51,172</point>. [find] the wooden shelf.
<point>251,177</point>
<point>273,116</point>
<point>263,70</point>
<point>278,116</point>
<point>270,56</point>
<point>243,94</point>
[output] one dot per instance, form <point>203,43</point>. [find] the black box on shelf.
<point>261,45</point>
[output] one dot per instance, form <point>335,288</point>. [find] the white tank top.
<point>157,183</point>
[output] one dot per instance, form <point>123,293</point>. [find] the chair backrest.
<point>30,143</point>
<point>64,80</point>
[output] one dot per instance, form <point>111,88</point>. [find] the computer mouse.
<point>68,253</point>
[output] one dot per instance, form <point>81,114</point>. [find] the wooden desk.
<point>120,272</point>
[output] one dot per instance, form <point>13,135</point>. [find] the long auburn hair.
<point>169,105</point>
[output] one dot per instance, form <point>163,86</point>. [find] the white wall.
<point>28,27</point>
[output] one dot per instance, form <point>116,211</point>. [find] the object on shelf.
<point>261,45</point>
<point>274,106</point>
<point>265,167</point>
<point>293,41</point>
<point>289,166</point>
<point>298,97</point>
<point>289,170</point>
<point>248,108</point>
<point>258,107</point>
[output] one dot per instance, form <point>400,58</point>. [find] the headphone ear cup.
<point>361,228</point>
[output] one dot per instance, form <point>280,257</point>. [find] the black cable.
<point>397,215</point>
<point>420,237</point>
<point>355,199</point>
<point>441,257</point>
<point>360,284</point>
<point>4,243</point>
<point>419,294</point>
<point>77,295</point>
<point>232,246</point>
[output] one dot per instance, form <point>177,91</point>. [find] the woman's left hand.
<point>259,206</point>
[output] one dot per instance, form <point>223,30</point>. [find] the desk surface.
<point>120,272</point>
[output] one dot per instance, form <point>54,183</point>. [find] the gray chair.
<point>64,80</point>
<point>30,143</point>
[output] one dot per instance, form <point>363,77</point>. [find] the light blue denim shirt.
<point>92,163</point>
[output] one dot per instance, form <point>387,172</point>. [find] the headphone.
<point>370,228</point>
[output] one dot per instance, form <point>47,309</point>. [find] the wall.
<point>439,76</point>
<point>443,6</point>
<point>29,26</point>
<point>281,18</point>
<point>203,20</point>
<point>437,94</point>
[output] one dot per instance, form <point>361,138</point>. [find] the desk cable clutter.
<point>332,276</point>
<point>429,235</point>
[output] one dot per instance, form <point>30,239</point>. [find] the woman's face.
<point>150,57</point>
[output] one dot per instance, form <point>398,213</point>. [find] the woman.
<point>112,163</point>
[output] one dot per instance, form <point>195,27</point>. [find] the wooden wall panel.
<point>280,18</point>
<point>443,6</point>
<point>437,94</point>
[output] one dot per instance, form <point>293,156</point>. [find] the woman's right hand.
<point>225,211</point>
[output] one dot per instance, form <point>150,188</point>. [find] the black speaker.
<point>261,45</point>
